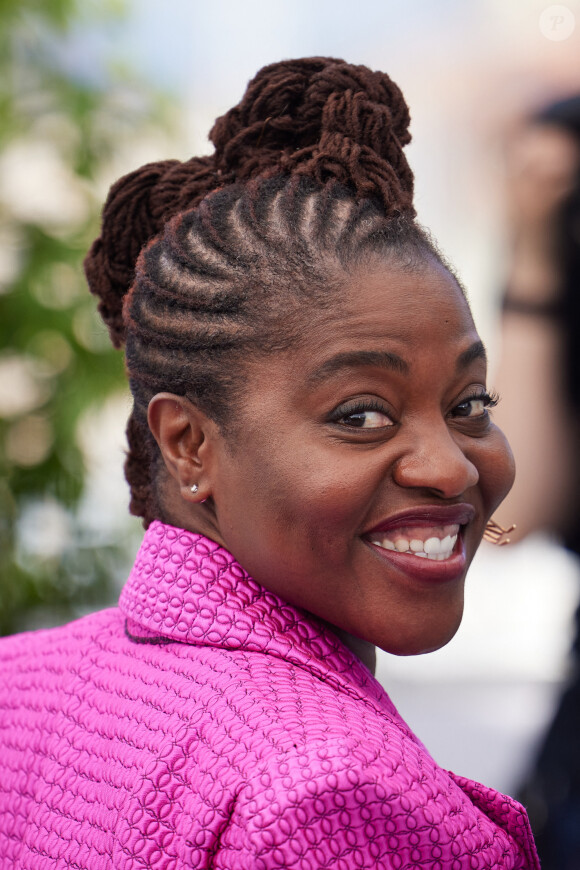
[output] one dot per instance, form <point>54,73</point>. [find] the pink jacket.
<point>207,724</point>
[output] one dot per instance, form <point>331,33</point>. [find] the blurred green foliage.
<point>59,133</point>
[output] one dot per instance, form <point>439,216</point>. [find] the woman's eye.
<point>475,406</point>
<point>366,420</point>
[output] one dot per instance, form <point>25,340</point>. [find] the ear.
<point>184,435</point>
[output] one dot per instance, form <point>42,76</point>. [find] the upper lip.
<point>427,515</point>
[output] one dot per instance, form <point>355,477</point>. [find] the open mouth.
<point>435,543</point>
<point>425,543</point>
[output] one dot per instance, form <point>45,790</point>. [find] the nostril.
<point>444,469</point>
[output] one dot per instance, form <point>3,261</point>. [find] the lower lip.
<point>426,570</point>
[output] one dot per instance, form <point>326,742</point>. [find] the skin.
<point>294,493</point>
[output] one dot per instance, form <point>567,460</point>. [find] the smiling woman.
<point>312,453</point>
<point>339,455</point>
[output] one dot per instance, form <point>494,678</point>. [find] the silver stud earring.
<point>194,488</point>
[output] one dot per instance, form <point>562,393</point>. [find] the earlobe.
<point>182,433</point>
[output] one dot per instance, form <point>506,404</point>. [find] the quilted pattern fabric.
<point>205,723</point>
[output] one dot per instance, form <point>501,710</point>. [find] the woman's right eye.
<point>364,418</point>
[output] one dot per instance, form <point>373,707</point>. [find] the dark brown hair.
<point>202,264</point>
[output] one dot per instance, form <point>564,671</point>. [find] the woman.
<point>312,455</point>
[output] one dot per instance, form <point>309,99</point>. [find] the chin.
<point>422,642</point>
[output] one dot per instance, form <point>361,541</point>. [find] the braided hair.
<point>203,264</point>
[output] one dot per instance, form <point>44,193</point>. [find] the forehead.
<point>386,307</point>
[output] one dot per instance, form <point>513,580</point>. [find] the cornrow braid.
<point>206,264</point>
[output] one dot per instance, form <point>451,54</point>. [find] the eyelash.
<point>360,407</point>
<point>489,400</point>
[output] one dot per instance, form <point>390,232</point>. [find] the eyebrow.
<point>473,353</point>
<point>387,360</point>
<point>354,359</point>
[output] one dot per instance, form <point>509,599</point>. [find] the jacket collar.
<point>185,588</point>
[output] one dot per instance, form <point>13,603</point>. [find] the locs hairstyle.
<point>206,263</point>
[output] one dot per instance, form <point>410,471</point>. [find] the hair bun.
<point>137,207</point>
<point>324,118</point>
<point>270,117</point>
<point>375,90</point>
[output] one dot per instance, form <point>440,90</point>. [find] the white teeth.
<point>435,549</point>
<point>432,545</point>
<point>386,544</point>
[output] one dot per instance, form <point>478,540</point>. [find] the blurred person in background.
<point>539,381</point>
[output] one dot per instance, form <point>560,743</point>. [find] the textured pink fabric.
<point>207,724</point>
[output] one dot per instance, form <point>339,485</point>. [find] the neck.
<point>362,649</point>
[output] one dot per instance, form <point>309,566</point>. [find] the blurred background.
<point>90,90</point>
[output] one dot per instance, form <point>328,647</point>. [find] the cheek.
<point>496,469</point>
<point>316,504</point>
<point>310,503</point>
<point>337,488</point>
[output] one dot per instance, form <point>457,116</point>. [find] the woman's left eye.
<point>475,406</point>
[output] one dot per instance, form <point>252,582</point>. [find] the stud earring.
<point>496,534</point>
<point>194,488</point>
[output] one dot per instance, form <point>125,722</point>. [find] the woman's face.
<point>365,464</point>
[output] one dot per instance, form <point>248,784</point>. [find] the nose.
<point>434,460</point>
